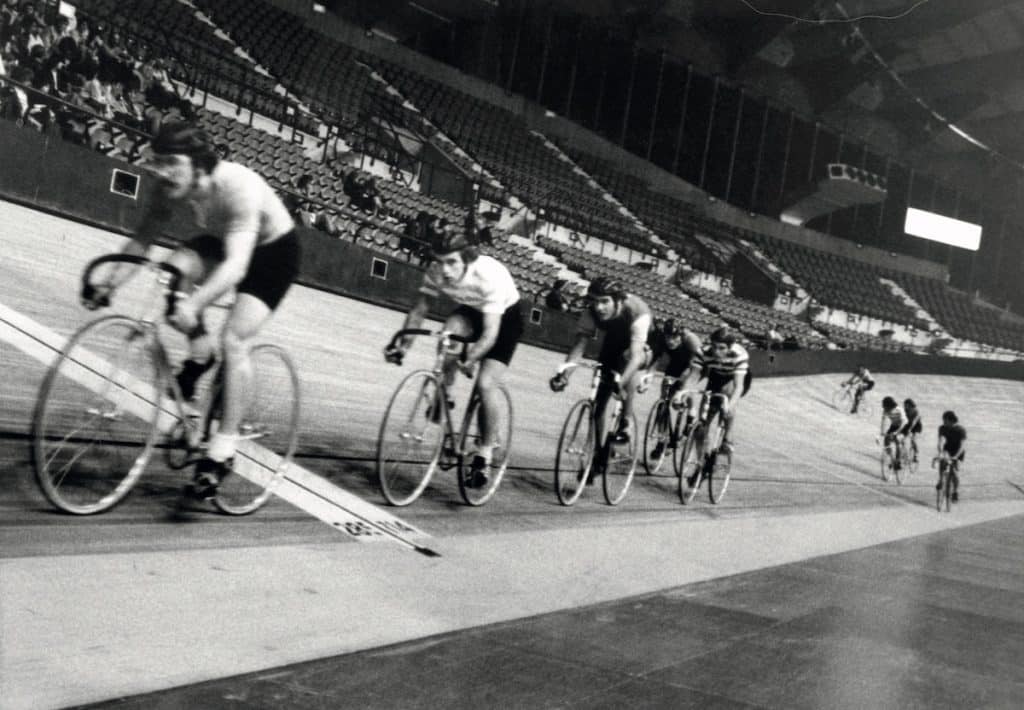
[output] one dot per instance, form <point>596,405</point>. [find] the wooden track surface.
<point>794,452</point>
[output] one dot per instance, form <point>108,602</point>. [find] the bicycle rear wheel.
<point>842,400</point>
<point>476,492</point>
<point>575,454</point>
<point>691,464</point>
<point>97,415</point>
<point>620,468</point>
<point>269,433</point>
<point>886,463</point>
<point>409,442</point>
<point>656,435</point>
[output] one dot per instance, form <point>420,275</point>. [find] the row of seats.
<point>958,314</point>
<point>852,339</point>
<point>665,300</point>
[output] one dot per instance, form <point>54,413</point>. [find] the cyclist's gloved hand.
<point>558,383</point>
<point>394,355</point>
<point>94,297</point>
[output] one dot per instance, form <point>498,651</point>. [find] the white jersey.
<point>486,285</point>
<point>240,200</point>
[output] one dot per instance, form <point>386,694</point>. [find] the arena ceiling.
<point>894,83</point>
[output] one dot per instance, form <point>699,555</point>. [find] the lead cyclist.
<point>248,246</point>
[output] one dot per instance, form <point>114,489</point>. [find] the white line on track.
<point>301,487</point>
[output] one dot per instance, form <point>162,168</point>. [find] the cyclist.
<point>893,421</point>
<point>625,321</point>
<point>488,311</point>
<point>862,381</point>
<point>913,427</point>
<point>951,448</point>
<point>250,247</point>
<point>726,364</point>
<point>673,350</point>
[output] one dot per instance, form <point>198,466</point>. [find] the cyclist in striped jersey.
<point>727,367</point>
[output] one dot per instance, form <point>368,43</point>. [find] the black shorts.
<point>718,384</point>
<point>272,268</point>
<point>907,430</point>
<point>509,332</point>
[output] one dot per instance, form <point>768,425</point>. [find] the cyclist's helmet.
<point>182,138</point>
<point>724,335</point>
<point>888,403</point>
<point>908,403</point>
<point>950,416</point>
<point>670,329</point>
<point>606,286</point>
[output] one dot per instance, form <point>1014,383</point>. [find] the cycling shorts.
<point>509,332</point>
<point>907,430</point>
<point>272,268</point>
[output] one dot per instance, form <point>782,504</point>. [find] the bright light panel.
<point>935,227</point>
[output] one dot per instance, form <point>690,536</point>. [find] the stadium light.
<point>936,228</point>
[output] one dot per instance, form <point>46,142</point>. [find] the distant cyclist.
<point>625,321</point>
<point>250,247</point>
<point>893,421</point>
<point>951,448</point>
<point>862,381</point>
<point>673,351</point>
<point>488,311</point>
<point>913,426</point>
<point>727,366</point>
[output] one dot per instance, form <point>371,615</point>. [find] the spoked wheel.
<point>620,468</point>
<point>268,433</point>
<point>886,463</point>
<point>477,490</point>
<point>410,438</point>
<point>656,436</point>
<point>575,454</point>
<point>865,409</point>
<point>691,464</point>
<point>842,400</point>
<point>96,417</point>
<point>718,476</point>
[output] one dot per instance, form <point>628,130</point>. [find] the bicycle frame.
<point>595,384</point>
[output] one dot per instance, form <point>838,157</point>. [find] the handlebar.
<point>89,290</point>
<point>453,337</point>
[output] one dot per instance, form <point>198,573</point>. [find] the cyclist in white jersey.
<point>249,246</point>
<point>893,421</point>
<point>488,312</point>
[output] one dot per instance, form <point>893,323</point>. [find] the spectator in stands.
<point>556,300</point>
<point>299,208</point>
<point>417,234</point>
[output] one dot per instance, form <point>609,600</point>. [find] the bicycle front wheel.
<point>656,436</point>
<point>886,463</point>
<point>410,438</point>
<point>718,476</point>
<point>691,464</point>
<point>575,454</point>
<point>620,468</point>
<point>842,400</point>
<point>474,488</point>
<point>97,414</point>
<point>268,433</point>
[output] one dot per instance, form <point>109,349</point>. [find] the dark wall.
<point>751,282</point>
<point>74,182</point>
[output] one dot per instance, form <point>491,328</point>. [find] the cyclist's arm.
<point>488,336</point>
<point>155,216</point>
<point>575,353</point>
<point>414,319</point>
<point>737,387</point>
<point>238,248</point>
<point>637,346</point>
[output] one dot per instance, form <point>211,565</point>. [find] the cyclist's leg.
<point>492,373</point>
<point>246,319</point>
<point>196,259</point>
<point>461,322</point>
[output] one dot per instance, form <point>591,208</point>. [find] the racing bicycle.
<point>417,434</point>
<point>102,408</point>
<point>701,458</point>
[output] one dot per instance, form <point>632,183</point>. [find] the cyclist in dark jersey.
<point>625,321</point>
<point>673,351</point>
<point>913,427</point>
<point>951,446</point>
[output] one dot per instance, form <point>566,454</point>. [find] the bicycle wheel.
<point>97,415</point>
<point>691,464</point>
<point>409,442</point>
<point>656,435</point>
<point>479,492</point>
<point>268,433</point>
<point>718,476</point>
<point>948,488</point>
<point>620,468</point>
<point>886,463</point>
<point>842,400</point>
<point>575,454</point>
